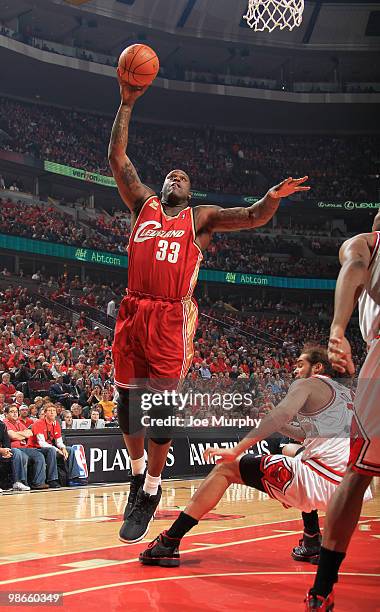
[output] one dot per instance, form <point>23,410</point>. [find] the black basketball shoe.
<point>162,551</point>
<point>317,602</point>
<point>136,525</point>
<point>308,549</point>
<point>137,482</point>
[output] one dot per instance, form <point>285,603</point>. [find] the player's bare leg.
<point>157,454</point>
<point>163,550</point>
<point>341,519</point>
<point>212,489</point>
<point>135,445</point>
<point>344,511</point>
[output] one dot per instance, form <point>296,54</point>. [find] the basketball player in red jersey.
<point>358,281</point>
<point>157,319</point>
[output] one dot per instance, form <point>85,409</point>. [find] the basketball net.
<point>270,14</point>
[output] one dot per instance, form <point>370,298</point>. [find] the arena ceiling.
<point>108,26</point>
<point>328,24</point>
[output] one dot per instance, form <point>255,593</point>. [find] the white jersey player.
<point>306,481</point>
<point>359,279</point>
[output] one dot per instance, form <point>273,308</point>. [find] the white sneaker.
<point>19,486</point>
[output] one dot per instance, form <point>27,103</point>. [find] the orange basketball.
<point>138,65</point>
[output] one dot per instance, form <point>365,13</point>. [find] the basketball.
<point>138,65</point>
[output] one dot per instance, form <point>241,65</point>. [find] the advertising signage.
<point>217,198</point>
<point>116,260</point>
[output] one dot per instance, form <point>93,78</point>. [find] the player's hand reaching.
<point>223,454</point>
<point>129,94</point>
<point>340,355</point>
<point>288,187</point>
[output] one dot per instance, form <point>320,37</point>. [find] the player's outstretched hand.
<point>129,94</point>
<point>223,454</point>
<point>340,355</point>
<point>288,187</point>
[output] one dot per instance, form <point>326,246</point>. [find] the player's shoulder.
<point>151,197</point>
<point>369,237</point>
<point>152,200</point>
<point>301,384</point>
<point>203,213</point>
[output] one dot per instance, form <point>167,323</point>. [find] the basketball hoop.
<point>270,14</point>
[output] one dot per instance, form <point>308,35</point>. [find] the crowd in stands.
<point>60,370</point>
<point>244,252</point>
<point>257,254</point>
<point>340,167</point>
<point>75,363</point>
<point>43,222</point>
<point>255,356</point>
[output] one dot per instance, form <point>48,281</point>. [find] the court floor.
<point>66,542</point>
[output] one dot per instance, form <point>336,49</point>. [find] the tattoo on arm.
<point>120,130</point>
<point>129,174</point>
<point>233,219</point>
<point>129,184</point>
<point>265,209</point>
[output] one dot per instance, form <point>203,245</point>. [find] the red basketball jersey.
<point>163,257</point>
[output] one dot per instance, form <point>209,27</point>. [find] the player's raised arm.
<point>354,256</point>
<point>284,412</point>
<point>131,189</point>
<point>218,219</point>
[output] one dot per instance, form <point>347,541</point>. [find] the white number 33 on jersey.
<point>168,251</point>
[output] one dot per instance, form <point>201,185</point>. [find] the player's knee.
<point>356,481</point>
<point>230,470</point>
<point>129,411</point>
<point>161,424</point>
<point>159,441</point>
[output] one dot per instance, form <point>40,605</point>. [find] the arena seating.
<point>340,167</point>
<point>248,252</point>
<point>254,350</point>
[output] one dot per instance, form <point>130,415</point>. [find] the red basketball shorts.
<point>153,341</point>
<point>365,430</point>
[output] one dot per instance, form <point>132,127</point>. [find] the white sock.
<point>138,466</point>
<point>151,484</point>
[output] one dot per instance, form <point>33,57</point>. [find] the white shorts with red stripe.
<point>365,432</point>
<point>307,485</point>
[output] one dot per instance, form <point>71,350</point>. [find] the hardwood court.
<point>66,541</point>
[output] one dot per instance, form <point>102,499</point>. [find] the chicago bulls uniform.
<point>365,433</point>
<point>308,480</point>
<point>158,316</point>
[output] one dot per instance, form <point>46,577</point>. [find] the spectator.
<point>46,435</point>
<point>96,380</point>
<point>76,411</point>
<point>6,387</point>
<point>19,399</point>
<point>59,393</point>
<point>38,403</point>
<point>204,371</point>
<point>33,412</point>
<point>19,437</point>
<point>44,372</point>
<point>17,460</point>
<point>59,409</point>
<point>107,404</point>
<point>67,419</point>
<point>111,309</point>
<point>94,418</point>
<point>95,396</point>
<point>24,417</point>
